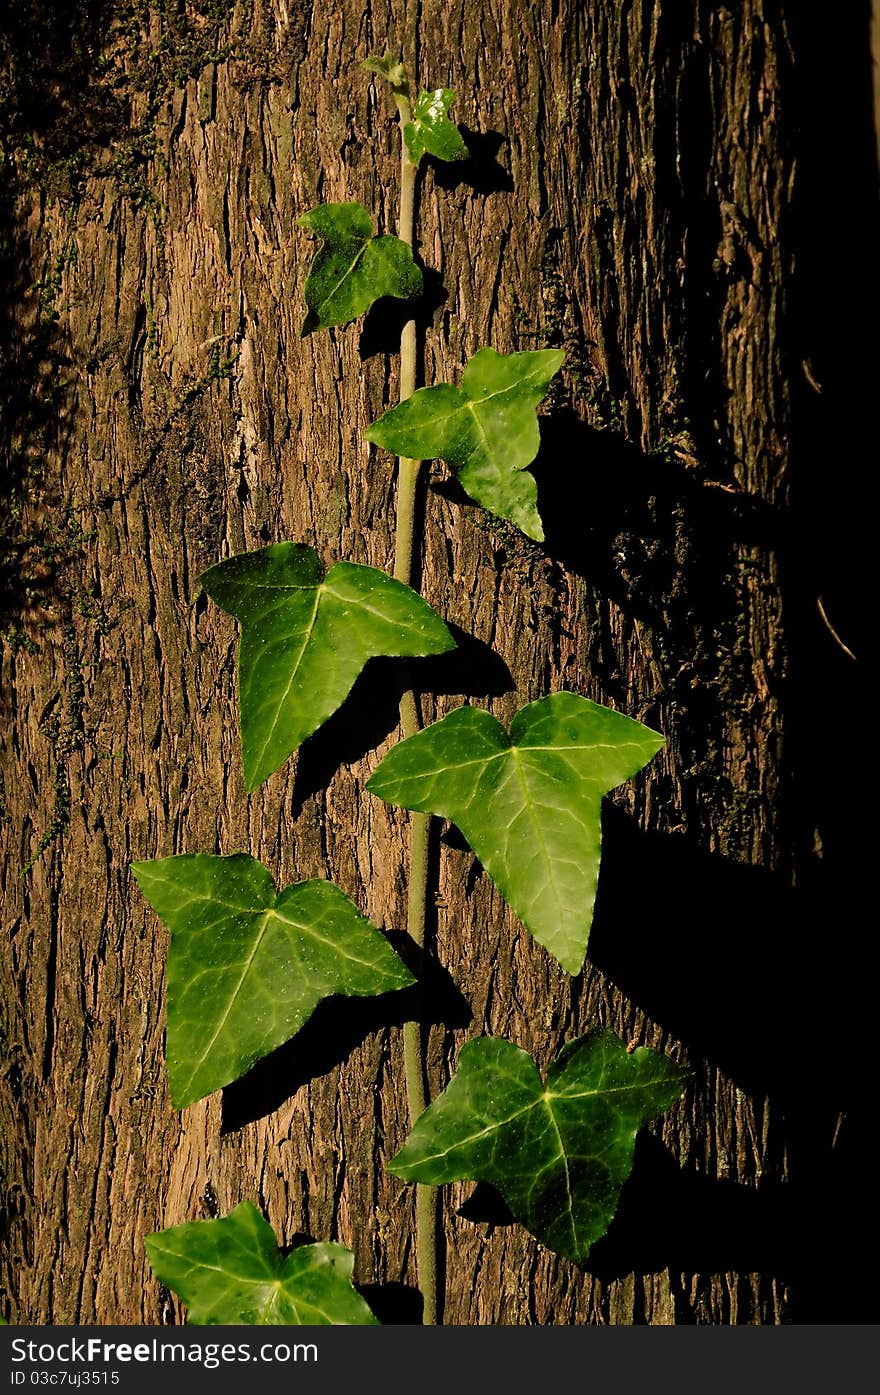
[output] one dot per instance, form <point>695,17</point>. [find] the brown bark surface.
<point>641,192</point>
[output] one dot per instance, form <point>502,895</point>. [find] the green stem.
<point>417,890</point>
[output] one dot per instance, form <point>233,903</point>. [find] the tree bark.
<point>646,191</point>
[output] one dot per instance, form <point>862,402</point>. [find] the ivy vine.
<point>247,965</point>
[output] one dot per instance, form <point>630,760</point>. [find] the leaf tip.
<point>396,1167</point>
<point>180,1102</point>
<point>254,777</point>
<point>573,964</point>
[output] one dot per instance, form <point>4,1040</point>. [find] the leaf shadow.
<point>726,956</point>
<point>669,1219</point>
<point>452,837</point>
<point>482,171</point>
<point>447,487</point>
<point>394,1304</point>
<point>384,321</point>
<point>735,962</point>
<point>336,1027</point>
<point>676,1219</point>
<point>622,517</point>
<point>486,1206</point>
<point>730,959</point>
<point>370,713</point>
<point>471,669</point>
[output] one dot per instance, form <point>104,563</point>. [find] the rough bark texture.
<point>645,192</point>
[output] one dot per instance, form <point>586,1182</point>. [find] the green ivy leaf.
<point>528,803</point>
<point>230,1271</point>
<point>430,132</point>
<point>487,430</point>
<point>247,966</point>
<point>559,1154</point>
<point>352,268</point>
<point>305,638</point>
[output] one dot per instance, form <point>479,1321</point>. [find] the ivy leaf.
<point>352,268</point>
<point>230,1271</point>
<point>487,430</point>
<point>430,132</point>
<point>559,1154</point>
<point>528,803</point>
<point>247,966</point>
<point>305,638</point>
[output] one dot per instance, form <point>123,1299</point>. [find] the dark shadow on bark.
<point>395,1305</point>
<point>725,956</point>
<point>335,1028</point>
<point>695,1225</point>
<point>384,321</point>
<point>34,413</point>
<point>52,105</point>
<point>688,1224</point>
<point>662,541</point>
<point>452,837</point>
<point>686,187</point>
<point>445,485</point>
<point>667,1218</point>
<point>471,670</point>
<point>658,537</point>
<point>482,171</point>
<point>741,967</point>
<point>834,354</point>
<point>799,1233</point>
<point>622,518</point>
<point>370,713</point>
<point>765,980</point>
<point>829,804</point>
<point>51,110</point>
<point>486,1206</point>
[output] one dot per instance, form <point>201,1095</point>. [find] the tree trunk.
<point>648,190</point>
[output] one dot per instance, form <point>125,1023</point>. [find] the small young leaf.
<point>230,1271</point>
<point>528,803</point>
<point>305,639</point>
<point>559,1154</point>
<point>352,268</point>
<point>391,69</point>
<point>431,132</point>
<point>248,966</point>
<point>487,430</point>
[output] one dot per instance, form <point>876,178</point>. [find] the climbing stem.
<point>407,470</point>
<point>417,887</point>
